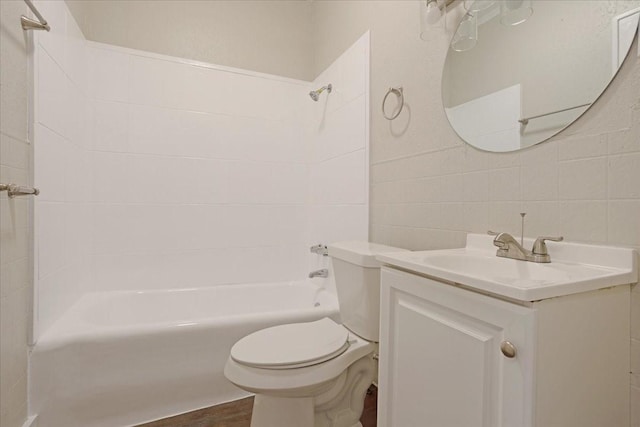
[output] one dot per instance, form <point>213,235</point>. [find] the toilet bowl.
<point>316,374</point>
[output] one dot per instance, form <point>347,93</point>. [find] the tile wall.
<point>199,173</point>
<point>16,284</point>
<point>160,173</point>
<point>339,128</point>
<point>61,169</point>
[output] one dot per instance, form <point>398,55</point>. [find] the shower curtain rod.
<point>32,24</point>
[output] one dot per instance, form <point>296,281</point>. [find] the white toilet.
<point>317,374</point>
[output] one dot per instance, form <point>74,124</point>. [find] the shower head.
<point>315,94</point>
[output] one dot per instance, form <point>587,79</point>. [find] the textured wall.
<point>428,189</point>
<point>15,279</point>
<point>267,36</point>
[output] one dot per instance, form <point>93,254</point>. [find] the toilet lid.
<point>292,346</point>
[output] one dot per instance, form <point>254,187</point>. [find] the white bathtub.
<point>123,358</point>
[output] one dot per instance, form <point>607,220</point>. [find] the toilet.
<point>317,374</point>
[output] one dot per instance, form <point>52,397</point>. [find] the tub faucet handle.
<point>319,273</point>
<point>319,249</point>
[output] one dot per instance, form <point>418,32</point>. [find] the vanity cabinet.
<point>454,357</point>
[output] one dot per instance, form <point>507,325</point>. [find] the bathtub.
<point>124,358</point>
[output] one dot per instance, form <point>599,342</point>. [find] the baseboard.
<point>32,421</point>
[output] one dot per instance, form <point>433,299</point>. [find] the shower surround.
<point>164,174</point>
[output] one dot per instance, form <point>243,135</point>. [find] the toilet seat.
<point>292,346</point>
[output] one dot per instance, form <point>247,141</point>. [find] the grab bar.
<point>32,24</point>
<point>525,120</point>
<point>16,190</point>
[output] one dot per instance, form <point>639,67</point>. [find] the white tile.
<point>584,221</point>
<point>53,107</point>
<point>251,182</point>
<point>578,147</point>
<point>110,126</point>
<point>625,141</point>
<point>540,181</point>
<point>341,180</point>
<point>50,164</point>
<point>624,222</point>
<point>505,217</point>
<point>108,74</point>
<point>111,177</point>
<point>504,184</point>
<point>343,131</point>
<point>338,223</point>
<point>149,130</point>
<point>146,80</point>
<point>583,179</point>
<point>542,219</point>
<point>476,186</point>
<point>52,238</point>
<point>624,176</point>
<point>55,40</point>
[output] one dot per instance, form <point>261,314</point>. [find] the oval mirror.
<point>519,71</point>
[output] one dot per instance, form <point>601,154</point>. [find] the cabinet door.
<point>440,359</point>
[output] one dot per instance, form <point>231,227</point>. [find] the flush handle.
<point>508,349</point>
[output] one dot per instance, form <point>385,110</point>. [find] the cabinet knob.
<point>508,349</point>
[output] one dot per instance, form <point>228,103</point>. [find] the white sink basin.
<point>574,268</point>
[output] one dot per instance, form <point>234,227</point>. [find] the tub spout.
<point>319,273</point>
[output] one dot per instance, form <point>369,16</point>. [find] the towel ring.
<point>397,91</point>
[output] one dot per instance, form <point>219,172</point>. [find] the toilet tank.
<point>357,275</point>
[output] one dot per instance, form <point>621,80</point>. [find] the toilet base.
<point>340,405</point>
<point>269,411</point>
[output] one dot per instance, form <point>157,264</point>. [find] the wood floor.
<point>238,414</point>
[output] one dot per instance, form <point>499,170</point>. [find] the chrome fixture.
<point>32,24</point>
<point>319,273</point>
<point>514,12</point>
<point>508,247</point>
<point>315,94</point>
<point>16,190</point>
<point>319,249</point>
<point>522,215</point>
<point>399,93</point>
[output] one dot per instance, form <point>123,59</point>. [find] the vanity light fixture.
<point>514,12</point>
<point>466,35</point>
<point>430,13</point>
<point>478,5</point>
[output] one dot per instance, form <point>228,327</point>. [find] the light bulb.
<point>433,13</point>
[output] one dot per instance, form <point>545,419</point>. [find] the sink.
<point>574,268</point>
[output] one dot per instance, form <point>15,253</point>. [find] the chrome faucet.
<point>508,247</point>
<point>319,273</point>
<point>319,249</point>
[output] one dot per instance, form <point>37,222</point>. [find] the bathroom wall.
<point>61,137</point>
<point>428,189</point>
<point>266,36</point>
<point>339,157</point>
<point>158,172</point>
<point>199,173</point>
<point>16,284</point>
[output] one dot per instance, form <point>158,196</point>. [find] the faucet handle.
<point>492,233</point>
<point>540,247</point>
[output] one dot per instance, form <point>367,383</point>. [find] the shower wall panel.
<point>199,173</point>
<point>61,138</point>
